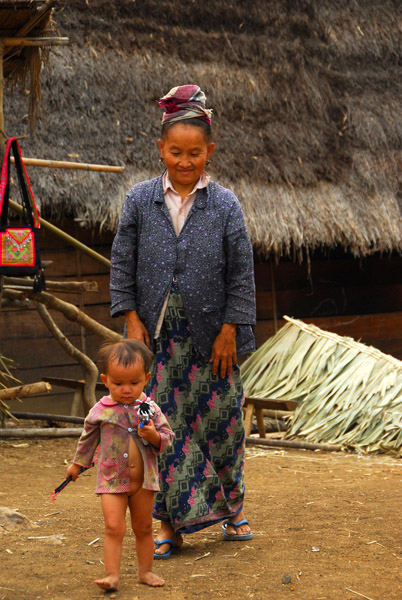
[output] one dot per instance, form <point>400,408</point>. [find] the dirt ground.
<point>329,522</point>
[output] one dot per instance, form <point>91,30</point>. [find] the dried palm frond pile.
<point>6,377</point>
<point>348,393</point>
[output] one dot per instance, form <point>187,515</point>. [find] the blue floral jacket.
<point>211,259</point>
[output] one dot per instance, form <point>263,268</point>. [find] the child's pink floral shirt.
<point>110,424</point>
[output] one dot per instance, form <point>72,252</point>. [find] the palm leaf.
<point>347,393</point>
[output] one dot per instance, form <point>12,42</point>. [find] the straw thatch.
<point>349,394</point>
<point>21,64</point>
<point>306,98</point>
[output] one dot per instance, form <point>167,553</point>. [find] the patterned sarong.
<point>201,474</point>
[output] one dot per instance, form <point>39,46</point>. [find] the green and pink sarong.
<point>201,474</point>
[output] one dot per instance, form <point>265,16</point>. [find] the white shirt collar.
<point>201,183</point>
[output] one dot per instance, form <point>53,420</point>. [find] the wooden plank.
<point>70,383</point>
<point>45,432</point>
<point>331,301</point>
<point>340,271</point>
<point>64,266</point>
<point>383,331</point>
<point>91,237</point>
<point>54,403</point>
<point>47,351</point>
<point>271,403</point>
<point>66,371</point>
<point>21,324</point>
<point>101,296</point>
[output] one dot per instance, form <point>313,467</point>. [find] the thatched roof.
<point>306,98</point>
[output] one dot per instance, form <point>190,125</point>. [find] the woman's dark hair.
<point>197,122</point>
<point>126,353</point>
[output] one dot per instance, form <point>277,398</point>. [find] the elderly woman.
<point>182,274</point>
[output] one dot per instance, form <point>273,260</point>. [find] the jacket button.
<point>130,429</point>
<point>125,455</point>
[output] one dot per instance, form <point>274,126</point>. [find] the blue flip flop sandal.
<point>233,537</point>
<point>166,554</point>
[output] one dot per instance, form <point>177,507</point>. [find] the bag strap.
<point>30,211</point>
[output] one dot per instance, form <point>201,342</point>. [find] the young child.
<point>128,471</point>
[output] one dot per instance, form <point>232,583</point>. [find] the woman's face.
<point>185,151</point>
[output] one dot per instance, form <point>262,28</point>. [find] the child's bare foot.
<point>109,583</point>
<point>151,579</point>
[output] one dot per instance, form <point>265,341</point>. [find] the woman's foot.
<point>242,529</point>
<point>166,533</point>
<point>151,579</point>
<point>109,583</point>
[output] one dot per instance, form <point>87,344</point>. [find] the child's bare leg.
<point>141,505</point>
<point>114,508</point>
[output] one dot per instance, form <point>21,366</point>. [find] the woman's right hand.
<point>136,329</point>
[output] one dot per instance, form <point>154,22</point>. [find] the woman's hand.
<point>224,350</point>
<point>136,329</point>
<point>148,432</point>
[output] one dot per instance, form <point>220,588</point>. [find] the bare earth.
<point>329,522</point>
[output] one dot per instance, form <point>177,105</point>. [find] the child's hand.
<point>73,470</point>
<point>149,433</point>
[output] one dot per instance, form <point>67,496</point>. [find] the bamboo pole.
<point>65,236</point>
<point>46,432</point>
<point>29,389</point>
<point>47,417</point>
<point>35,41</point>
<point>277,414</point>
<point>64,164</point>
<point>293,444</point>
<point>57,286</point>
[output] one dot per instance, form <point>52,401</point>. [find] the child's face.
<point>125,384</point>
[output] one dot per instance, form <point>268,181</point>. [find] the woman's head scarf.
<point>184,102</point>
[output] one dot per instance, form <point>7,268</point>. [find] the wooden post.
<point>2,136</point>
<point>274,307</point>
<point>81,301</point>
<point>2,131</point>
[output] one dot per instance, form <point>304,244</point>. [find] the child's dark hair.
<point>125,352</point>
<point>197,122</point>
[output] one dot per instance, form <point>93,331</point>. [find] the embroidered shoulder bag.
<point>19,251</point>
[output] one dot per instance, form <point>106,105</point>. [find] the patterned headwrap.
<point>184,102</point>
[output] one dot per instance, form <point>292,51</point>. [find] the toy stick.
<point>66,482</point>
